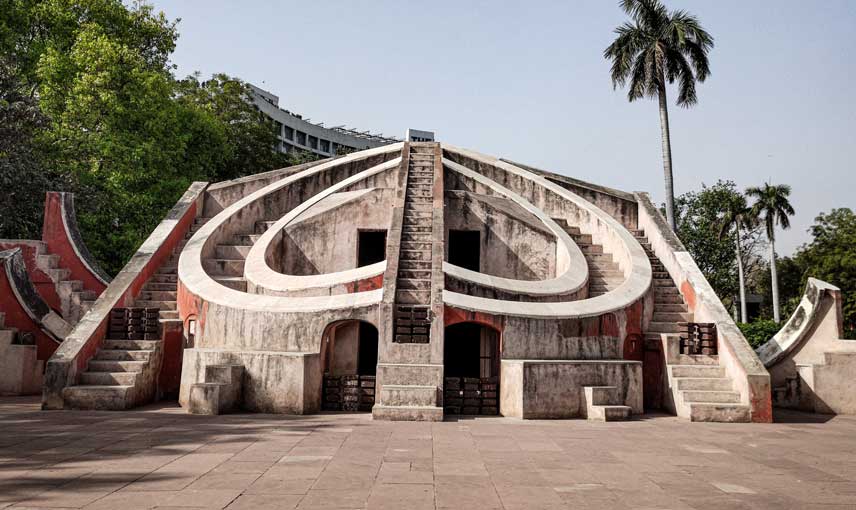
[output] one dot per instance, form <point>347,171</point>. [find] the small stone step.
<point>163,278</point>
<point>424,255</point>
<point>666,291</point>
<point>163,305</point>
<point>416,297</point>
<point>158,295</point>
<point>414,264</point>
<point>233,282</point>
<point>704,383</point>
<point>245,239</point>
<point>262,226</point>
<point>108,378</point>
<point>408,395</point>
<point>168,314</point>
<point>664,327</point>
<point>671,308</point>
<point>711,397</point>
<point>723,413</point>
<point>58,274</point>
<point>47,261</point>
<point>228,267</point>
<point>110,398</point>
<point>414,245</point>
<point>159,287</point>
<point>123,355</point>
<point>129,344</point>
<point>416,275</point>
<point>697,371</point>
<point>232,251</point>
<point>662,299</point>
<point>115,366</point>
<point>662,316</point>
<point>417,284</point>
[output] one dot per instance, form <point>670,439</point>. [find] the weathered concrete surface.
<point>811,366</point>
<point>273,382</point>
<point>20,368</point>
<point>741,363</point>
<point>539,389</point>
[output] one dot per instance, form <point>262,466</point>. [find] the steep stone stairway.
<point>604,273</point>
<point>700,390</point>
<point>123,373</point>
<point>398,398</point>
<point>413,281</point>
<point>161,290</point>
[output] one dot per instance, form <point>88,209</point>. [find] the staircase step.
<point>672,299</point>
<point>704,383</point>
<point>129,344</point>
<point>407,296</point>
<point>408,395</point>
<point>164,278</point>
<point>123,355</point>
<point>233,282</point>
<point>417,284</point>
<point>662,316</point>
<point>424,255</point>
<point>262,226</point>
<point>48,261</point>
<point>727,413</point>
<point>58,274</point>
<point>664,327</point>
<point>710,397</point>
<point>697,371</point>
<point>671,308</point>
<point>151,286</point>
<point>232,251</point>
<point>414,264</point>
<point>168,314</point>
<point>115,366</point>
<point>158,295</point>
<point>415,245</point>
<point>227,267</point>
<point>108,378</point>
<point>162,305</point>
<point>110,398</point>
<point>245,239</point>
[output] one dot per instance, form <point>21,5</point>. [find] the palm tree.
<point>737,215</point>
<point>655,47</point>
<point>772,207</point>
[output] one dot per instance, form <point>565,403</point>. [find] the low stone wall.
<point>84,340</point>
<point>740,361</point>
<point>539,389</point>
<point>274,382</point>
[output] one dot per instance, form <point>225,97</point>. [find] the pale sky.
<point>527,81</point>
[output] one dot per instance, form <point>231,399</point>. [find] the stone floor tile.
<point>399,496</point>
<point>335,499</point>
<point>265,502</point>
<point>206,498</point>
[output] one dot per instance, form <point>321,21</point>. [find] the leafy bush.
<point>759,332</point>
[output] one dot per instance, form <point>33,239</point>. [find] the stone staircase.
<point>161,290</point>
<point>700,390</point>
<point>220,393</point>
<point>604,273</point>
<point>227,266</point>
<point>123,373</point>
<point>603,403</point>
<point>409,391</point>
<point>413,281</point>
<point>75,301</point>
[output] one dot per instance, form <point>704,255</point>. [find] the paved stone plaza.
<point>160,457</point>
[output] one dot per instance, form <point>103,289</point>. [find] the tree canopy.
<point>107,114</point>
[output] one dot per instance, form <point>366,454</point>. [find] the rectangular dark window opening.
<point>465,249</point>
<point>371,247</point>
<point>367,360</point>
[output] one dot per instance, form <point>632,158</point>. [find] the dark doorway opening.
<point>371,247</point>
<point>471,369</point>
<point>465,249</point>
<point>367,357</point>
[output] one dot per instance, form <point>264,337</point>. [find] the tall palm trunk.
<point>775,278</point>
<point>740,276</point>
<point>667,154</point>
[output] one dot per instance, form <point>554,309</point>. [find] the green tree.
<point>250,137</point>
<point>656,47</point>
<point>736,215</point>
<point>772,208</point>
<point>831,257</point>
<point>700,215</point>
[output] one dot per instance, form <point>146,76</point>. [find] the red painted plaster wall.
<point>17,318</point>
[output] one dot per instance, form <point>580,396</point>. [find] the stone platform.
<point>160,457</point>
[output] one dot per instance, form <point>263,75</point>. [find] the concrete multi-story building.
<point>298,134</point>
<point>413,280</point>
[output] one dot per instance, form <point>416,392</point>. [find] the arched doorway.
<point>471,369</point>
<point>350,364</point>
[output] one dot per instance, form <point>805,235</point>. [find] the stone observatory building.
<point>415,280</point>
